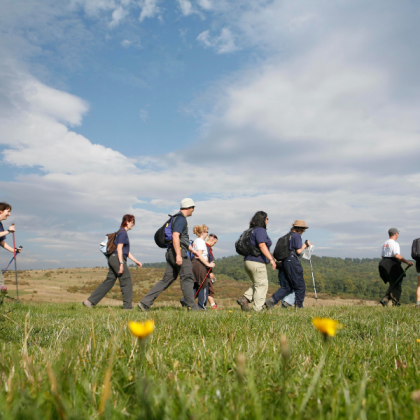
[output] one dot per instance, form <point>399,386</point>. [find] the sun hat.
<point>300,224</point>
<point>186,203</point>
<point>393,231</point>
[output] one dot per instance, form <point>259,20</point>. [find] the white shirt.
<point>390,248</point>
<point>200,245</point>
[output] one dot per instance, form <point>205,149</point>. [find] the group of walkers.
<point>194,261</point>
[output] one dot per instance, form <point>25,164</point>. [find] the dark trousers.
<point>172,271</point>
<point>394,291</point>
<point>293,281</point>
<point>125,283</point>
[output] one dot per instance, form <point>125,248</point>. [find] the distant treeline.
<point>348,277</point>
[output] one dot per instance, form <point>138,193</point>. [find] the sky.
<point>305,110</point>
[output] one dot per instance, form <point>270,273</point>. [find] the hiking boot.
<point>396,303</point>
<point>417,306</point>
<point>384,302</point>
<point>183,303</point>
<point>285,305</point>
<point>143,308</point>
<point>269,303</point>
<point>88,304</point>
<point>244,303</point>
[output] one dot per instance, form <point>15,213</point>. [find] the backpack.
<point>415,250</point>
<point>243,245</point>
<point>107,246</point>
<point>163,236</point>
<point>282,251</point>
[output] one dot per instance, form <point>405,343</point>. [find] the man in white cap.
<point>177,260</point>
<point>390,268</point>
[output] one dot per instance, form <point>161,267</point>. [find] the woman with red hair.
<point>118,268</point>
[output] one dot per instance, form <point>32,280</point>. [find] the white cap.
<point>186,203</point>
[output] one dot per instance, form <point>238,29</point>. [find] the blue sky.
<point>305,110</point>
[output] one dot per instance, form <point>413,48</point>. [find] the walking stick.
<point>196,293</point>
<point>14,256</point>
<point>313,279</point>
<point>388,292</point>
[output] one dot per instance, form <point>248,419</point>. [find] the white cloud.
<point>186,7</point>
<point>224,43</point>
<point>149,9</point>
<point>126,43</point>
<point>117,16</point>
<point>205,4</point>
<point>144,114</point>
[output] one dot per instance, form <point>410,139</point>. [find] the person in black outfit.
<point>293,270</point>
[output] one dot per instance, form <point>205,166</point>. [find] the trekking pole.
<point>313,279</point>
<point>196,293</point>
<point>399,278</point>
<point>10,262</point>
<point>14,251</point>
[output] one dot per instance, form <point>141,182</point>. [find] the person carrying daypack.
<point>415,255</point>
<point>177,261</point>
<point>390,268</point>
<point>256,260</point>
<point>119,251</point>
<point>293,279</point>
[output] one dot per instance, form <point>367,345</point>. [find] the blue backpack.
<point>163,236</point>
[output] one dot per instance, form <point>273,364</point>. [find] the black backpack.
<point>415,250</point>
<point>243,245</point>
<point>164,232</point>
<point>282,251</point>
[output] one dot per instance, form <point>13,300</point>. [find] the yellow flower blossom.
<point>141,329</point>
<point>418,340</point>
<point>326,326</point>
<point>230,312</point>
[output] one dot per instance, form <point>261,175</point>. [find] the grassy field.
<point>63,361</point>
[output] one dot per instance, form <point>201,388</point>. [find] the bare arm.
<point>138,263</point>
<point>400,258</point>
<point>177,247</point>
<point>266,253</point>
<point>8,247</point>
<point>304,246</point>
<point>120,257</point>
<point>199,254</point>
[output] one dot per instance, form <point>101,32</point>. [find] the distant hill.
<point>348,277</point>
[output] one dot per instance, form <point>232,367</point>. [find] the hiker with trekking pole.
<point>390,268</point>
<point>288,251</point>
<point>201,266</point>
<point>5,210</point>
<point>117,250</point>
<point>254,244</point>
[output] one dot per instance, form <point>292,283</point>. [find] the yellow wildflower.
<point>327,326</point>
<point>230,312</point>
<point>418,340</point>
<point>141,329</point>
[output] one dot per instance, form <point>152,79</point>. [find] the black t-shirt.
<point>122,238</point>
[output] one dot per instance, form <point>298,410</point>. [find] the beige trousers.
<point>257,293</point>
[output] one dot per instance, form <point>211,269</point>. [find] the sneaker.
<point>143,308</point>
<point>88,304</point>
<point>269,303</point>
<point>215,306</point>
<point>183,303</point>
<point>286,305</point>
<point>243,303</point>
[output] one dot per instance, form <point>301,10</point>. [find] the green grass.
<point>54,360</point>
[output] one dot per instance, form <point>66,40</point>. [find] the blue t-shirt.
<point>3,238</point>
<point>179,224</point>
<point>122,238</point>
<point>259,236</point>
<point>295,241</point>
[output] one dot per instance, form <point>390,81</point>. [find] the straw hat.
<point>300,224</point>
